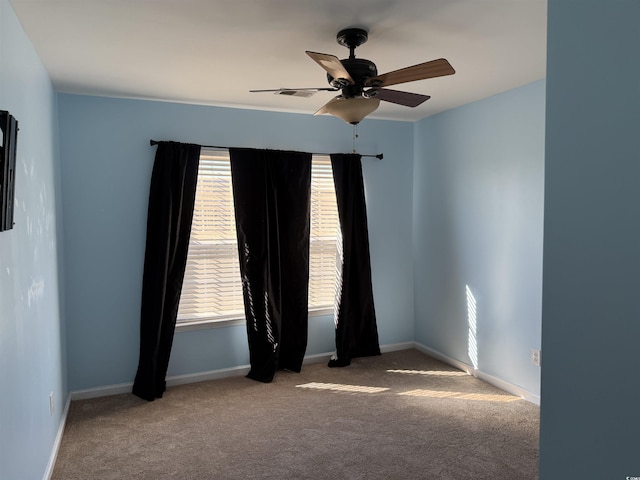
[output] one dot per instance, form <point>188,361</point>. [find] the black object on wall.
<point>9,127</point>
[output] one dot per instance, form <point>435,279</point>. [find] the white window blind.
<point>325,233</point>
<point>212,289</point>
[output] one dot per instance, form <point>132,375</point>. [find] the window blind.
<point>325,231</point>
<point>212,287</point>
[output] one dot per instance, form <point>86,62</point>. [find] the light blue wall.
<point>106,168</point>
<point>31,351</point>
<point>478,215</point>
<point>590,420</point>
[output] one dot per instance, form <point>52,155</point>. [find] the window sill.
<point>207,323</point>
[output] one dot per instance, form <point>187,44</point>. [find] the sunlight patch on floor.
<point>337,387</point>
<point>461,395</point>
<point>435,373</point>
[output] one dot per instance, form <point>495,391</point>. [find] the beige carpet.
<point>402,415</point>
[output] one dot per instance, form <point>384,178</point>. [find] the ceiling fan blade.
<point>276,90</point>
<point>407,99</point>
<point>295,92</point>
<point>422,71</point>
<point>332,65</point>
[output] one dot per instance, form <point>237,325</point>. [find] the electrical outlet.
<point>536,357</point>
<point>52,404</point>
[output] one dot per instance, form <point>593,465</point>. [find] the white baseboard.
<point>184,379</point>
<point>317,358</point>
<point>490,379</point>
<point>396,347</point>
<point>101,391</point>
<point>211,374</point>
<point>58,440</point>
<point>309,359</point>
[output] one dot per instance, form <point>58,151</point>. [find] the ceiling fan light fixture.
<point>351,110</point>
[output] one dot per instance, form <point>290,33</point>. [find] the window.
<point>212,289</point>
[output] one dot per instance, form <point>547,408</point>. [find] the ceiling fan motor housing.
<point>360,70</point>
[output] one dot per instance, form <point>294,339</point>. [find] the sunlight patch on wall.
<point>435,373</point>
<point>472,349</point>
<point>337,387</point>
<point>461,395</point>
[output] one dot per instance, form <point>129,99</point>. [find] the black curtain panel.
<point>271,192</point>
<point>171,201</point>
<point>356,330</point>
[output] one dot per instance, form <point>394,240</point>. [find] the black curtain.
<point>356,330</point>
<point>271,192</point>
<point>171,201</point>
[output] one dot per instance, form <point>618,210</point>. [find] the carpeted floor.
<point>402,415</point>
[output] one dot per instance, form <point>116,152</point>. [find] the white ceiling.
<point>214,51</point>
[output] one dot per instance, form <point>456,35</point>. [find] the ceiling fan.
<point>361,87</point>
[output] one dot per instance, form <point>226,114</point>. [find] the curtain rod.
<point>380,156</point>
